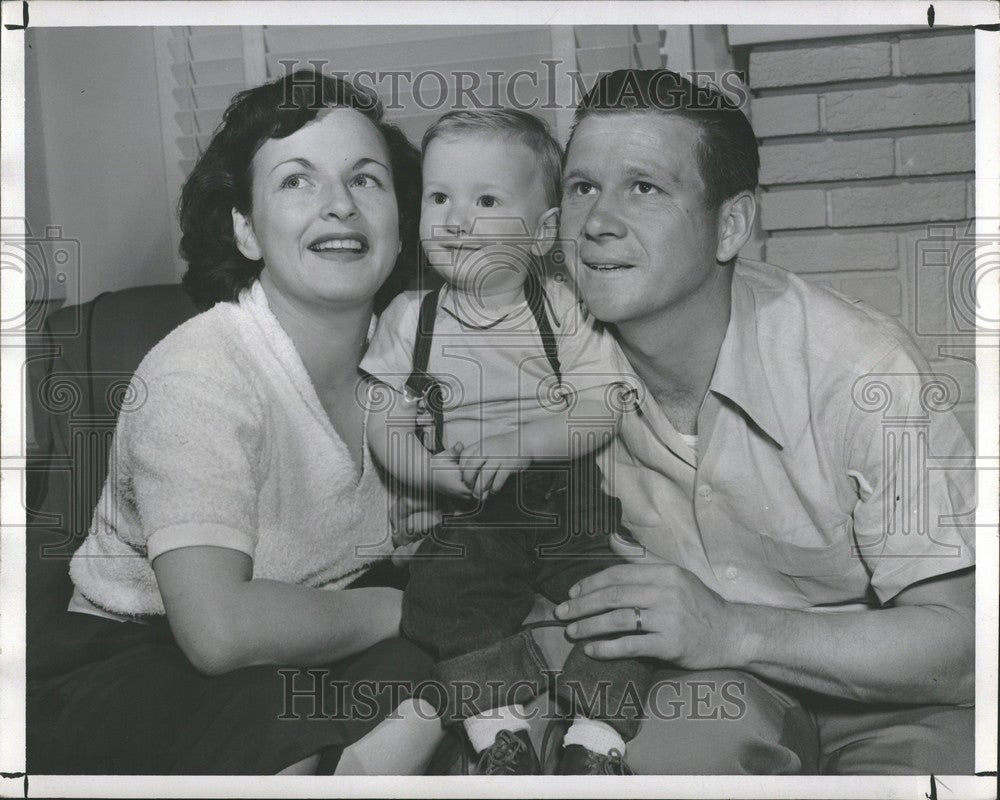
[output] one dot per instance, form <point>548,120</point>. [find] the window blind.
<point>419,72</point>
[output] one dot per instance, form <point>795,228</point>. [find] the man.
<point>775,469</point>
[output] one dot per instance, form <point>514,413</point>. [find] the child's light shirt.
<point>496,377</point>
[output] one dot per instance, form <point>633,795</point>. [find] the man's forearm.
<point>907,654</point>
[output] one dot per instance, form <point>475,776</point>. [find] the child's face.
<point>483,206</point>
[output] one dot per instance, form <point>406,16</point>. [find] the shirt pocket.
<point>829,573</point>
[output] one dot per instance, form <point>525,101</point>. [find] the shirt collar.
<point>740,373</point>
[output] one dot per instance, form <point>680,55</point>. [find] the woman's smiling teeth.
<point>350,245</point>
<point>608,267</point>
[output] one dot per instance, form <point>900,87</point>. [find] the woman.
<point>241,501</point>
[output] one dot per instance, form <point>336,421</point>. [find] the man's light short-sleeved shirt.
<point>830,470</point>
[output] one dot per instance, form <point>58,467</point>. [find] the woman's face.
<point>325,218</point>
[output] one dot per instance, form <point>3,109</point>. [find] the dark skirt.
<point>127,701</point>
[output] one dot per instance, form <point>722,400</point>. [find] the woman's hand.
<point>683,621</point>
<point>412,515</point>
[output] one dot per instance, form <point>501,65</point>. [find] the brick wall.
<point>867,167</point>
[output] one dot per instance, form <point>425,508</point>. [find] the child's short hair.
<point>519,125</point>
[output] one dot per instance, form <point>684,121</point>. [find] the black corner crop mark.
<point>24,18</point>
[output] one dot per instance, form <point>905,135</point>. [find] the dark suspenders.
<point>424,387</point>
<point>427,389</point>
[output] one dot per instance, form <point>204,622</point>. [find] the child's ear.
<point>246,241</point>
<point>546,231</point>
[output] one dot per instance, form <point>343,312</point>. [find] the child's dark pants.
<point>474,580</point>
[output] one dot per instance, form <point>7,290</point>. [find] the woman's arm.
<point>223,619</point>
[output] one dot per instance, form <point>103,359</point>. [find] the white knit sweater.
<point>223,442</point>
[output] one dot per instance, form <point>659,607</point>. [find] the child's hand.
<point>486,465</point>
<point>447,475</point>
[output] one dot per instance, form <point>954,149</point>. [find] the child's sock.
<point>482,729</point>
<point>595,735</point>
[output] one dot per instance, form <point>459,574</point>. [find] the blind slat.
<point>209,66</point>
<point>229,45</point>
<point>301,38</point>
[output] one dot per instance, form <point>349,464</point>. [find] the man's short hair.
<point>515,124</point>
<point>728,157</point>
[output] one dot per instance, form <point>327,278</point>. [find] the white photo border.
<point>50,13</point>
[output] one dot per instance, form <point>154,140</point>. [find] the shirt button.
<point>705,491</point>
<point>732,573</point>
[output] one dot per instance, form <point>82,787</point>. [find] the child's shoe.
<point>578,760</point>
<point>510,754</point>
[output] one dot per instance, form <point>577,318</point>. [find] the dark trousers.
<point>122,698</point>
<point>474,580</point>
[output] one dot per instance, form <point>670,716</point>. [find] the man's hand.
<point>683,621</point>
<point>488,464</point>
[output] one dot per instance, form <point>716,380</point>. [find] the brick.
<point>801,208</point>
<point>899,106</point>
<point>940,260</point>
<point>932,261</point>
<point>936,153</point>
<point>825,160</point>
<point>897,203</point>
<point>785,115</point>
<point>883,293</point>
<point>834,252</point>
<point>970,199</point>
<point>937,54</point>
<point>804,65</point>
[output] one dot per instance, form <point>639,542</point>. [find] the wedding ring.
<point>638,619</point>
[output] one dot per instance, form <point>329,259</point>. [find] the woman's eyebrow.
<point>362,162</point>
<point>305,162</point>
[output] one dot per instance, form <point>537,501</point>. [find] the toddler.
<point>500,398</point>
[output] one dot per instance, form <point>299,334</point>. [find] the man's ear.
<point>246,241</point>
<point>735,223</point>
<point>546,231</point>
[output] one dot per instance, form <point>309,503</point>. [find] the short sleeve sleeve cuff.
<point>192,534</point>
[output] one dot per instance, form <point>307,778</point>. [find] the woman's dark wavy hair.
<point>223,177</point>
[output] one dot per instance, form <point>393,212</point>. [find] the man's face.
<point>634,202</point>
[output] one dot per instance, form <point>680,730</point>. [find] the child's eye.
<point>365,180</point>
<point>438,198</point>
<point>296,181</point>
<point>644,187</point>
<point>488,201</point>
